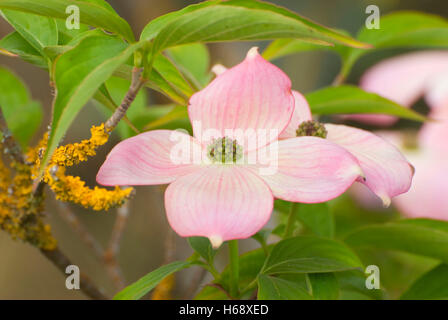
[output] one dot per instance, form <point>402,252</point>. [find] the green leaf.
<point>324,286</point>
<point>193,60</point>
<point>153,28</point>
<point>307,254</point>
<point>430,286</point>
<point>39,31</point>
<point>283,47</point>
<point>423,237</point>
<point>238,20</point>
<point>22,115</point>
<point>349,99</point>
<point>273,288</point>
<point>203,246</point>
<point>79,73</point>
<point>15,44</point>
<point>168,71</point>
<point>96,13</point>
<point>318,218</point>
<point>145,284</point>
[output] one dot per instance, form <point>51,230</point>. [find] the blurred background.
<point>26,274</point>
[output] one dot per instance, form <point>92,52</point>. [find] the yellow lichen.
<point>71,154</point>
<point>72,189</point>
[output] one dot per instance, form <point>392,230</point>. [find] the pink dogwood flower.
<point>387,173</point>
<point>406,78</point>
<point>224,196</point>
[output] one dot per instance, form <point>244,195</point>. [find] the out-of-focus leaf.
<point>324,286</point>
<point>22,115</point>
<point>96,13</point>
<point>273,288</point>
<point>38,31</point>
<point>423,237</point>
<point>307,254</point>
<point>317,217</point>
<point>203,246</point>
<point>79,73</point>
<point>349,99</point>
<point>402,29</point>
<point>176,113</point>
<point>249,20</point>
<point>145,284</point>
<point>15,44</point>
<point>433,285</point>
<point>193,60</point>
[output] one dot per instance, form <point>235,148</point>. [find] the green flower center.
<point>224,150</point>
<point>311,128</point>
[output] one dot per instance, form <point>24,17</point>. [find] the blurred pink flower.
<point>233,200</point>
<point>405,79</point>
<point>428,196</point>
<point>386,171</point>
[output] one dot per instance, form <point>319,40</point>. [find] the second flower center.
<point>311,128</point>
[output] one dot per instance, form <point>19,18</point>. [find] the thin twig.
<point>170,246</point>
<point>120,112</point>
<point>61,262</point>
<point>10,146</point>
<point>110,255</point>
<point>170,252</point>
<point>109,261</point>
<point>79,228</point>
<point>117,231</point>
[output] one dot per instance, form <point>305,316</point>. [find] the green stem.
<point>289,228</point>
<point>234,268</point>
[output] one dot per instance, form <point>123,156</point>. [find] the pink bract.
<point>386,171</point>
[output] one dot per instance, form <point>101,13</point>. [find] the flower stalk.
<point>289,228</point>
